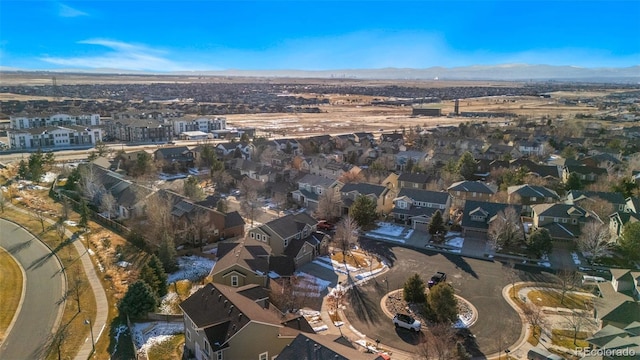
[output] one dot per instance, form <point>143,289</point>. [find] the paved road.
<point>45,283</point>
<point>480,282</point>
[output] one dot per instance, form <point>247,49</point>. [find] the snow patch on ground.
<point>388,229</point>
<point>166,305</point>
<point>456,242</point>
<point>49,177</point>
<point>145,335</point>
<point>191,268</point>
<point>310,285</point>
<point>118,331</point>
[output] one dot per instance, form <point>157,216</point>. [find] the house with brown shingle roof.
<point>241,262</point>
<point>223,322</point>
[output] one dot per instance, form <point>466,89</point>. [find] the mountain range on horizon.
<point>502,72</point>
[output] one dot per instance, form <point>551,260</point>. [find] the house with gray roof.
<point>314,347</point>
<point>403,159</point>
<point>528,195</point>
<point>241,262</point>
<point>297,231</point>
<point>587,174</point>
<point>382,195</point>
<point>415,207</point>
<point>414,180</point>
<point>224,322</point>
<point>616,199</point>
<point>563,221</point>
<point>478,215</point>
<point>311,187</point>
<point>462,191</point>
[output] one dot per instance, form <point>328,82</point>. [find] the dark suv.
<point>437,278</point>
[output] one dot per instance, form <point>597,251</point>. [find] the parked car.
<point>325,225</point>
<point>407,322</point>
<point>437,278</point>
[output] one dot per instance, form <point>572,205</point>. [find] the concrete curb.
<point>24,290</point>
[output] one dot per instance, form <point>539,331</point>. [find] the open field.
<point>10,290</point>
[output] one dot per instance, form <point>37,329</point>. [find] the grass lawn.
<point>564,338</point>
<point>534,335</point>
<point>355,259</point>
<point>10,290</point>
<point>170,349</point>
<point>553,297</point>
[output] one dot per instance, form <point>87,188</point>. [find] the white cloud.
<point>124,56</point>
<point>68,11</point>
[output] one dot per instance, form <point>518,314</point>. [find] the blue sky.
<point>157,35</point>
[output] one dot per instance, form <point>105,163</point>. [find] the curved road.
<point>40,310</point>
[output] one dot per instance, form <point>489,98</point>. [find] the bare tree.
<point>577,321</point>
<point>599,207</point>
<point>346,236</point>
<point>534,315</point>
<point>249,206</point>
<point>159,218</point>
<point>65,209</point>
<point>61,230</point>
<point>77,286</point>
<point>59,337</point>
<point>351,177</point>
<point>329,204</point>
<point>506,229</point>
<point>41,216</point>
<point>594,239</point>
<point>439,343</point>
<point>568,280</point>
<point>89,184</point>
<point>108,204</point>
<point>279,199</point>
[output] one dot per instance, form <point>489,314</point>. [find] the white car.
<point>406,322</point>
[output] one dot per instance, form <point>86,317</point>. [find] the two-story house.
<point>293,235</point>
<point>619,219</point>
<point>415,207</point>
<point>414,180</point>
<point>310,188</point>
<point>224,322</point>
<point>288,146</point>
<point>528,147</point>
<point>172,157</point>
<point>235,150</point>
<point>528,195</point>
<point>382,195</point>
<point>242,262</point>
<point>315,346</point>
<point>332,169</point>
<point>462,191</point>
<point>587,174</point>
<point>478,215</point>
<point>563,221</point>
<point>616,199</point>
<point>410,158</point>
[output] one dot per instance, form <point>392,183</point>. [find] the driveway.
<point>479,281</point>
<point>41,308</point>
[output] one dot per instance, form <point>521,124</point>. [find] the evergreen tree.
<point>192,189</point>
<point>156,265</point>
<point>466,166</point>
<point>442,303</point>
<point>436,225</point>
<point>363,211</point>
<point>574,182</point>
<point>167,253</point>
<point>414,288</point>
<point>149,277</point>
<point>630,240</point>
<point>23,170</point>
<point>138,300</point>
<point>540,242</point>
<point>36,166</point>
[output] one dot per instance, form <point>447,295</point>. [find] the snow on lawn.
<point>456,242</point>
<point>310,285</point>
<point>118,331</point>
<point>145,335</point>
<point>388,229</point>
<point>191,268</point>
<point>48,177</point>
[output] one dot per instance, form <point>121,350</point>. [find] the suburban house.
<point>563,221</point>
<point>619,219</point>
<point>462,191</point>
<point>382,195</point>
<point>331,168</point>
<point>415,207</point>
<point>241,262</point>
<point>617,310</point>
<point>311,187</point>
<point>224,322</point>
<point>527,147</point>
<point>414,180</point>
<point>179,156</point>
<point>410,158</point>
<point>235,150</point>
<point>616,199</point>
<point>588,174</point>
<point>602,160</point>
<point>197,224</point>
<point>478,215</point>
<point>394,138</point>
<point>288,146</point>
<point>528,195</point>
<point>314,347</point>
<point>254,170</point>
<point>293,235</point>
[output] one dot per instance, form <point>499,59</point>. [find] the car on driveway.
<point>325,225</point>
<point>407,322</point>
<point>436,279</point>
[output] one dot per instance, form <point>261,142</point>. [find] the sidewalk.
<point>102,305</point>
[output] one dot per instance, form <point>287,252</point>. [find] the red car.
<point>324,225</point>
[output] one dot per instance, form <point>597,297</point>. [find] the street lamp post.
<point>93,343</point>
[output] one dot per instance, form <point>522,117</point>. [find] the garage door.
<point>475,234</point>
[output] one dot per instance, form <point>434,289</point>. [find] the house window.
<point>264,356</point>
<point>234,280</point>
<point>286,242</point>
<point>533,198</point>
<point>575,221</point>
<point>219,355</point>
<point>473,194</point>
<point>188,335</point>
<point>207,348</point>
<point>416,185</point>
<point>555,219</point>
<point>253,235</point>
<point>541,218</point>
<point>564,221</point>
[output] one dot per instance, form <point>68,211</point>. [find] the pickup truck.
<point>437,278</point>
